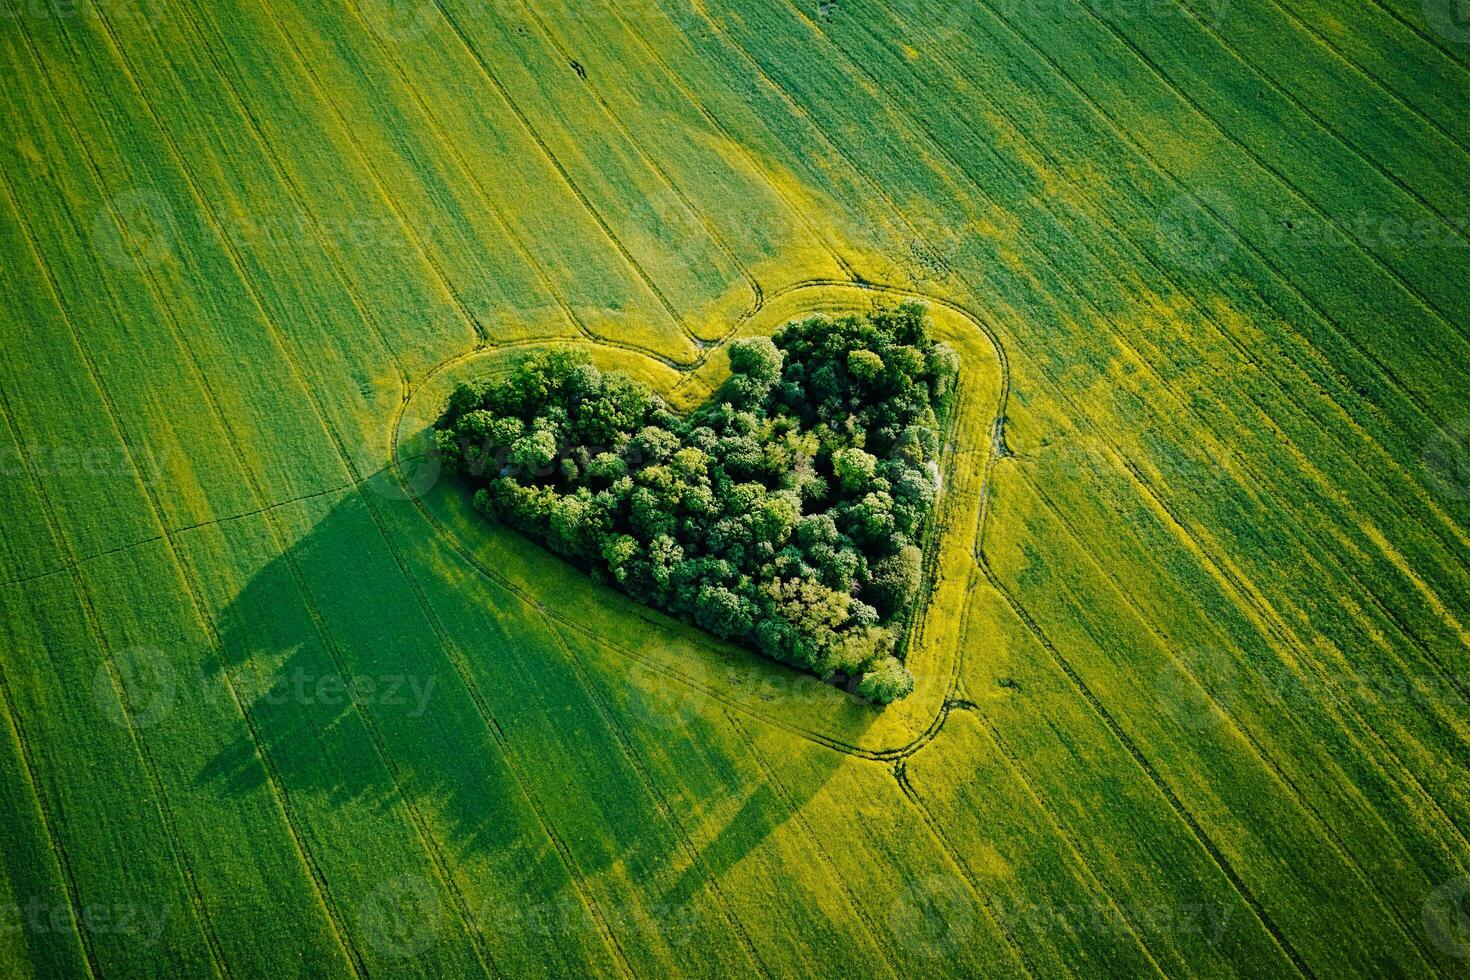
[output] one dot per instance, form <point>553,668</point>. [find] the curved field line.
<point>975,182</point>
<point>938,720</point>
<point>471,179</point>
<point>1163,172</point>
<point>454,655</point>
<point>1392,754</point>
<point>889,754</point>
<point>940,147</point>
<point>427,838</point>
<point>1433,507</point>
<point>954,162</point>
<point>1311,471</point>
<point>873,287</point>
<point>879,194</point>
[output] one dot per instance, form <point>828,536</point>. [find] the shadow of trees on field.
<point>360,710</point>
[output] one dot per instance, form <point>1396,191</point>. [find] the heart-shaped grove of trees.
<point>787,513</point>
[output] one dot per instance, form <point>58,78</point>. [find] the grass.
<point>1193,676</point>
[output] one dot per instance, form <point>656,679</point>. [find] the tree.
<point>650,517</point>
<point>653,444</point>
<point>870,523</point>
<point>574,525</point>
<point>895,580</point>
<point>620,406</point>
<point>854,469</point>
<point>722,612</point>
<point>775,516</point>
<point>856,650</point>
<point>886,682</point>
<point>782,514</point>
<point>757,357</point>
<point>865,365</point>
<point>944,366</point>
<point>815,529</point>
<point>607,467</point>
<point>532,453</point>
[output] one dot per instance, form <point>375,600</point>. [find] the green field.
<point>1193,675</point>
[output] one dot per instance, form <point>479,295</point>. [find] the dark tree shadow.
<point>497,730</point>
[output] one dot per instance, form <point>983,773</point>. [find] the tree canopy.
<point>785,514</point>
